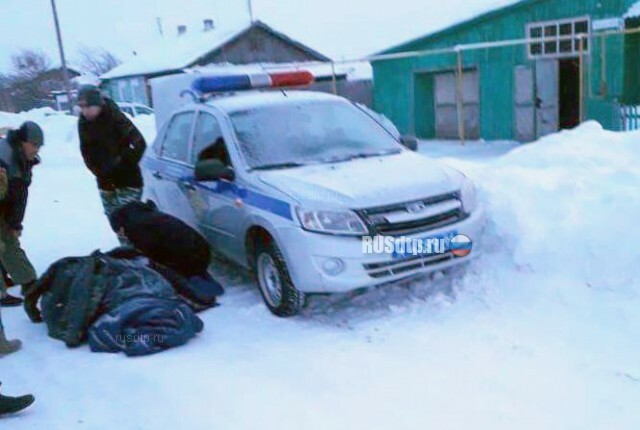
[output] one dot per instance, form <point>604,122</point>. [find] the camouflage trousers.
<point>14,260</point>
<point>115,199</point>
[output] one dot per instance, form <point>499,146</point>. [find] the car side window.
<point>208,142</point>
<point>175,144</point>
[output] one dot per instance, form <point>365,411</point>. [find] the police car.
<point>286,183</point>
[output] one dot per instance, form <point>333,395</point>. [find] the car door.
<point>173,173</point>
<point>216,203</point>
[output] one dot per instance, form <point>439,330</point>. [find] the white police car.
<point>286,183</point>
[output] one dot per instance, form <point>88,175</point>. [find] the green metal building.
<point>516,73</point>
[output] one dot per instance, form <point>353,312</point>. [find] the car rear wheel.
<point>279,294</point>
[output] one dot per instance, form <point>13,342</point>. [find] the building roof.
<point>184,51</point>
<point>495,9</point>
<point>634,11</point>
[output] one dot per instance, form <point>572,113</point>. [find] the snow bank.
<point>569,203</point>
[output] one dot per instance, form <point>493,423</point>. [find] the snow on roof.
<point>257,98</point>
<point>634,11</point>
<point>477,10</point>
<point>174,53</point>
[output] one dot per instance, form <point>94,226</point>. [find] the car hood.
<point>366,182</point>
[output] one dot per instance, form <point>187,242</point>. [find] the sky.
<point>339,29</point>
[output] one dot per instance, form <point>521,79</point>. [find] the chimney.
<point>182,29</point>
<point>208,24</point>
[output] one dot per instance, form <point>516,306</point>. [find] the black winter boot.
<point>10,405</point>
<point>8,346</point>
<point>8,301</point>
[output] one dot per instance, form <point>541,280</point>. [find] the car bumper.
<point>309,254</point>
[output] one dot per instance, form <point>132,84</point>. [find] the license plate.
<point>428,245</point>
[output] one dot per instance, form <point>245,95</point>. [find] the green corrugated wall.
<point>403,89</point>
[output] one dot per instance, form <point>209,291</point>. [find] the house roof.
<point>497,8</point>
<point>634,11</point>
<point>184,51</point>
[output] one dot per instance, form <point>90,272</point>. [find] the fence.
<point>630,117</point>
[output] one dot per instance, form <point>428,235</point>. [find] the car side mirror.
<point>212,170</point>
<point>409,142</point>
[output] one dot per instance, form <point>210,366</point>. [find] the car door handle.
<point>157,175</point>
<point>188,185</point>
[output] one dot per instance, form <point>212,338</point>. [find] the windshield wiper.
<point>359,155</point>
<point>375,154</point>
<point>287,165</point>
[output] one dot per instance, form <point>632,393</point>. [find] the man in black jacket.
<point>111,147</point>
<point>18,155</point>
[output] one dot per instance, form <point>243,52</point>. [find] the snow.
<point>634,11</point>
<point>174,53</point>
<point>540,332</point>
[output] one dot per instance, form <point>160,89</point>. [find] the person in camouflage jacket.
<point>18,154</point>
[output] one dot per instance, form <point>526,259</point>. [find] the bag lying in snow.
<point>163,238</point>
<point>73,292</point>
<point>77,291</point>
<point>144,326</point>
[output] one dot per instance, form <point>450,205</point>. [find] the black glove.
<point>31,296</point>
<point>31,308</point>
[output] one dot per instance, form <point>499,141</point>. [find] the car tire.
<point>272,276</point>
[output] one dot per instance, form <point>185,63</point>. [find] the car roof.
<point>251,99</point>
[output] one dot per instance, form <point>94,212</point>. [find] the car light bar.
<point>214,84</point>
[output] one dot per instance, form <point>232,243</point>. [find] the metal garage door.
<point>547,89</point>
<point>446,106</point>
<point>525,109</point>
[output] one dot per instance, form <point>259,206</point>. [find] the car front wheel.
<point>279,294</point>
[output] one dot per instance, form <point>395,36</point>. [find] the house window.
<point>560,38</point>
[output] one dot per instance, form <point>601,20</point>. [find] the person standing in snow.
<point>18,154</point>
<point>111,147</point>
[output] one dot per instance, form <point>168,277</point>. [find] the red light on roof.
<point>291,79</point>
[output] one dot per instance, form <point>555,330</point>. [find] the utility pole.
<point>65,73</point>
<point>249,3</point>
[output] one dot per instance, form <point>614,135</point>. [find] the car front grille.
<point>415,216</point>
<point>405,265</point>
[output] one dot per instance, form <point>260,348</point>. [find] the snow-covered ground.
<point>541,332</point>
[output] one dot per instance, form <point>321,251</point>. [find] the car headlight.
<point>328,221</point>
<point>468,196</point>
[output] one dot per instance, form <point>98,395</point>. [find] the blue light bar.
<point>212,84</point>
<point>229,83</point>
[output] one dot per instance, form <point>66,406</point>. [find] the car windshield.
<point>298,133</point>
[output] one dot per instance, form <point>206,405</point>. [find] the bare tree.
<point>30,81</point>
<point>97,60</point>
<point>29,64</point>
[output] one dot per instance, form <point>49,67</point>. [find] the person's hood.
<point>367,182</point>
